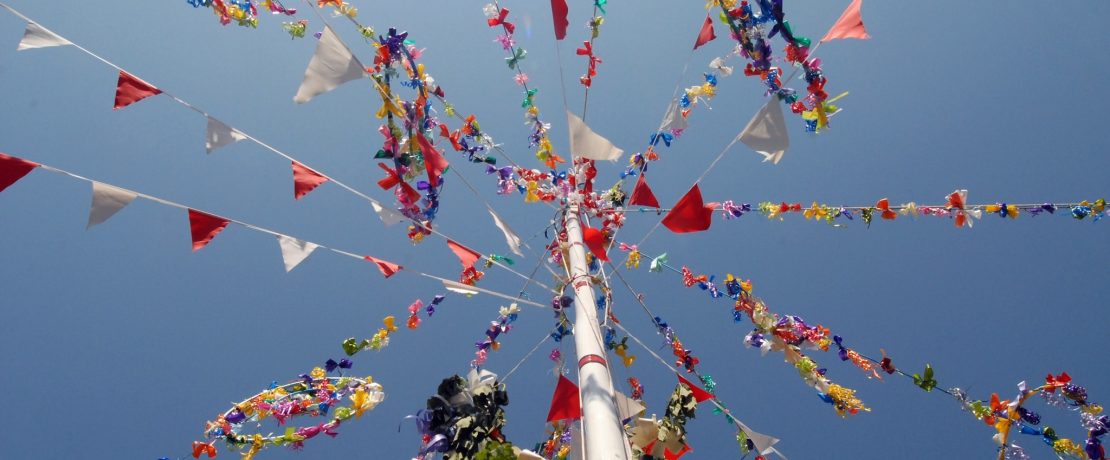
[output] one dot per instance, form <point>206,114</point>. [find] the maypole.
<point>601,423</point>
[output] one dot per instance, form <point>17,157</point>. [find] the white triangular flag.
<point>459,288</point>
<point>674,119</point>
<point>766,132</point>
<point>627,407</point>
<point>37,36</point>
<point>332,65</point>
<point>294,251</point>
<point>510,238</point>
<point>219,134</point>
<point>106,202</point>
<point>764,444</point>
<point>389,216</point>
<point>588,144</point>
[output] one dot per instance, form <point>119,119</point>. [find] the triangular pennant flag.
<point>588,144</point>
<point>434,162</point>
<point>766,132</point>
<point>459,288</point>
<point>699,394</point>
<point>690,214</point>
<point>305,180</point>
<point>565,404</point>
<point>106,202</point>
<point>642,194</point>
<point>13,169</point>
<point>627,407</point>
<point>332,65</point>
<point>294,251</point>
<point>850,24</point>
<point>204,227</point>
<point>220,134</point>
<point>37,36</point>
<point>389,216</point>
<point>386,267</point>
<point>468,257</point>
<point>763,444</point>
<point>130,89</point>
<point>674,120</point>
<point>595,240</point>
<point>511,238</point>
<point>559,12</point>
<point>668,455</point>
<point>706,34</point>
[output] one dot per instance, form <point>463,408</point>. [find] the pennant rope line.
<point>529,354</point>
<point>275,150</point>
<point>740,426</point>
<point>256,228</point>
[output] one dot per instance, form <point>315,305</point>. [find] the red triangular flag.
<point>434,162</point>
<point>13,169</point>
<point>706,34</point>
<point>467,256</point>
<point>690,214</point>
<point>667,454</point>
<point>699,394</point>
<point>564,403</point>
<point>559,15</point>
<point>130,89</point>
<point>204,227</point>
<point>305,180</point>
<point>850,24</point>
<point>642,195</point>
<point>386,267</point>
<point>595,240</point>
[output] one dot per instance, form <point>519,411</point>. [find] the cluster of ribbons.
<point>245,12</point>
<point>498,17</point>
<point>380,339</point>
<point>312,395</point>
<point>464,418</point>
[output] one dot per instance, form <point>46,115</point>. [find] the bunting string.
<point>205,226</point>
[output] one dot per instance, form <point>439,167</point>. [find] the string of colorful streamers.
<point>497,16</point>
<point>312,395</point>
<point>791,334</point>
<point>380,339</point>
<point>587,48</point>
<point>748,30</point>
<point>955,208</point>
<point>502,325</point>
<point>243,12</point>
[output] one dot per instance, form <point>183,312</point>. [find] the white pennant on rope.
<point>588,144</point>
<point>388,216</point>
<point>511,238</point>
<point>37,36</point>
<point>220,134</point>
<point>332,65</point>
<point>459,288</point>
<point>766,132</point>
<point>763,444</point>
<point>294,251</point>
<point>106,202</point>
<point>674,119</point>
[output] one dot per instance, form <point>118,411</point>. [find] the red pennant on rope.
<point>850,24</point>
<point>130,89</point>
<point>305,180</point>
<point>668,455</point>
<point>559,12</point>
<point>565,404</point>
<point>706,34</point>
<point>468,257</point>
<point>699,394</point>
<point>433,160</point>
<point>13,169</point>
<point>690,214</point>
<point>386,267</point>
<point>595,240</point>
<point>642,194</point>
<point>204,227</point>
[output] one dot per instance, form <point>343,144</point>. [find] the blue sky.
<point>120,342</point>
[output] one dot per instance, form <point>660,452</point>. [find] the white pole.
<point>601,424</point>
